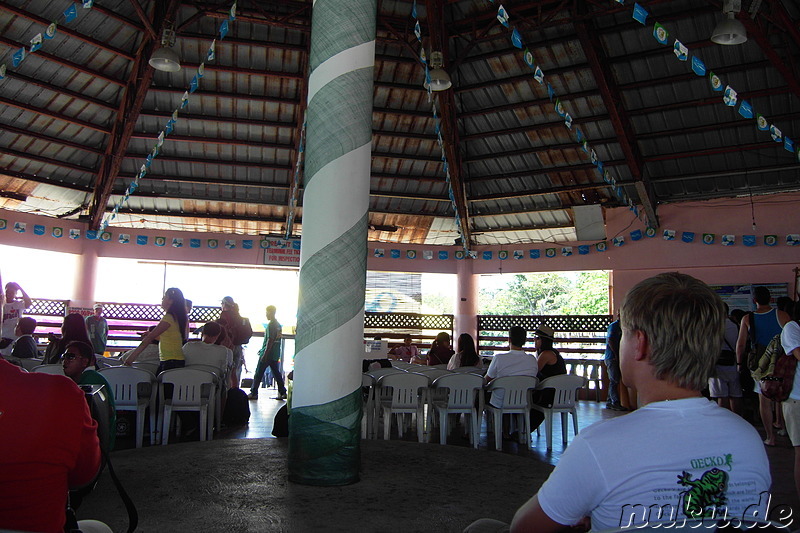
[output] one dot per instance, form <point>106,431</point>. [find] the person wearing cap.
<point>98,329</point>
<point>550,364</point>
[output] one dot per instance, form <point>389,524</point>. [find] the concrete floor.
<point>405,486</point>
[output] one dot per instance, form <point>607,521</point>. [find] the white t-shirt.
<point>790,339</point>
<point>201,353</point>
<point>513,363</point>
<point>663,454</point>
<point>12,311</point>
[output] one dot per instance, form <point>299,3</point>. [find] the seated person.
<point>550,364</point>
<point>207,352</point>
<point>404,352</point>
<point>466,354</point>
<point>25,345</point>
<point>149,354</point>
<point>626,470</point>
<point>440,351</point>
<point>515,362</point>
<point>79,365</point>
<point>49,446</point>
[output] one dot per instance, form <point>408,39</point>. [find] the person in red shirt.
<point>49,446</point>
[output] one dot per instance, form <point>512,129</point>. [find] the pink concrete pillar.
<point>87,275</point>
<point>467,301</point>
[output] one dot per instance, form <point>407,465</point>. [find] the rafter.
<point>141,74</point>
<point>593,48</point>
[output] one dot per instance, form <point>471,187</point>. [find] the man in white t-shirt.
<point>208,353</point>
<point>677,457</point>
<point>515,362</point>
<point>790,339</point>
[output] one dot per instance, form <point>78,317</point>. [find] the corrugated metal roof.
<point>231,156</point>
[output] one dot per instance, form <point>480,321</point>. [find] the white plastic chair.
<point>516,401</point>
<point>134,390</point>
<point>462,391</point>
<point>468,370</point>
<point>380,372</point>
<point>400,394</point>
<point>431,372</point>
<point>193,390</point>
<point>56,369</point>
<point>30,364</point>
<point>564,401</point>
<point>368,383</point>
<point>220,382</point>
<point>150,366</point>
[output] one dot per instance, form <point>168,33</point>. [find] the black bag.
<point>242,331</point>
<point>280,424</point>
<point>237,408</point>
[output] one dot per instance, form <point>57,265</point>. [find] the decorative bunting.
<point>761,122</point>
<point>669,234</point>
<point>770,240</point>
<point>411,254</point>
<point>730,96</point>
<point>636,235</point>
<point>212,244</point>
<point>71,13</point>
<point>708,238</point>
<point>566,251</point>
<point>177,242</point>
<point>534,254</point>
<point>160,241</point>
<point>698,67</point>
<point>427,254</point>
<point>716,83</point>
<point>728,240</point>
<point>516,39</point>
<point>601,246</point>
<point>660,33</point>
<point>618,240</point>
<point>745,109</point>
<point>793,239</point>
<point>57,233</point>
<point>687,236</point>
<point>550,252</point>
<point>680,51</point>
<point>519,254</point>
<point>124,238</point>
<point>583,249</point>
<point>639,13</point>
<point>502,16</point>
<point>487,255</point>
<point>749,240</point>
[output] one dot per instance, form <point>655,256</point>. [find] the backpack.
<point>776,371</point>
<point>237,409</point>
<point>242,331</point>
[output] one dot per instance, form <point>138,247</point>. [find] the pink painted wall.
<point>715,264</point>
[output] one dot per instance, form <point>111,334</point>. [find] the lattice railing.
<point>559,323</point>
<point>412,321</point>
<point>41,307</point>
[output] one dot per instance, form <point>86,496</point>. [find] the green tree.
<point>527,294</point>
<point>548,294</point>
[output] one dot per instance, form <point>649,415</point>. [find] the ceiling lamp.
<point>440,79</point>
<point>165,58</point>
<point>730,31</point>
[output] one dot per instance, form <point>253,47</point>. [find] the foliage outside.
<point>548,294</point>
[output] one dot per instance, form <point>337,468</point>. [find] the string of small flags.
<point>40,39</point>
<point>438,127</point>
<point>294,189</point>
<point>173,119</point>
<point>730,96</point>
<point>544,251</point>
<point>503,18</point>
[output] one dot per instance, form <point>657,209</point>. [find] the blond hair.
<point>684,321</point>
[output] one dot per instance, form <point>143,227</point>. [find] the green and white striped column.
<point>325,422</point>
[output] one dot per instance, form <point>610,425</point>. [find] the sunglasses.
<point>68,356</point>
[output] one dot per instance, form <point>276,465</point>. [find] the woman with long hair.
<point>72,329</point>
<point>440,351</point>
<point>171,333</point>
<point>550,364</point>
<point>466,355</point>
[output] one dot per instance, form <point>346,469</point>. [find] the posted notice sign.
<point>281,252</point>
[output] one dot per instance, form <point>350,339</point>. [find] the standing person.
<point>790,340</point>
<point>270,356</point>
<point>466,354</point>
<point>17,301</point>
<point>170,331</point>
<point>515,362</point>
<point>725,385</point>
<point>613,336</point>
<point>672,327</point>
<point>441,350</point>
<point>229,319</point>
<point>406,351</point>
<point>765,323</point>
<point>98,330</point>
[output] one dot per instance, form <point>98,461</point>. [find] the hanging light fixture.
<point>730,31</point>
<point>165,58</point>
<point>440,79</point>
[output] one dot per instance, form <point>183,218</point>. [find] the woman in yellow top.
<point>170,332</point>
